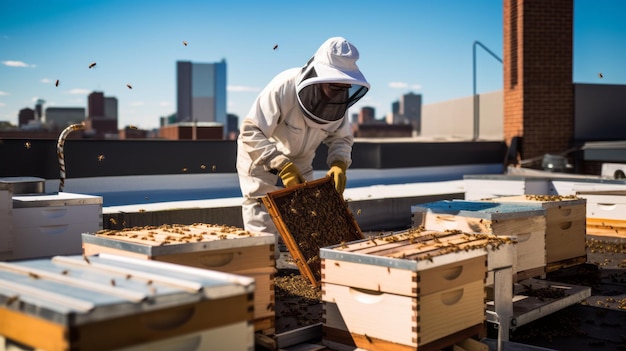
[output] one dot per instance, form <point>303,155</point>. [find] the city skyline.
<point>420,47</point>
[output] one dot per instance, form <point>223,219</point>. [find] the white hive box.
<point>411,290</point>
<point>110,302</point>
<point>606,213</point>
<point>45,225</point>
<point>565,226</point>
<point>208,246</point>
<point>524,224</point>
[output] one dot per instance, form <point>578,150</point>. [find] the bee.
<point>149,282</point>
<point>184,169</point>
<point>358,212</point>
<point>12,299</point>
<point>275,47</point>
<point>100,157</point>
<point>337,264</point>
<point>600,75</point>
<point>128,276</point>
<point>86,259</point>
<point>112,221</point>
<point>27,145</point>
<point>369,339</point>
<point>214,168</point>
<point>33,275</point>
<point>92,65</point>
<point>202,166</point>
<point>270,306</point>
<point>129,86</point>
<point>112,282</point>
<point>56,84</point>
<point>65,271</point>
<point>185,43</point>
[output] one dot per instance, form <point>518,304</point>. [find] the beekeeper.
<point>297,111</point>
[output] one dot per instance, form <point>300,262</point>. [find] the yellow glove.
<point>338,173</point>
<point>290,175</point>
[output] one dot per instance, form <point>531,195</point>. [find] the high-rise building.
<point>25,116</point>
<point>201,92</point>
<point>101,117</point>
<point>411,110</point>
<point>366,115</point>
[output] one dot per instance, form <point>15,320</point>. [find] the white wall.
<point>455,118</point>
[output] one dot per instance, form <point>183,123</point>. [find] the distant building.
<point>411,110</point>
<point>25,116</point>
<point>201,92</point>
<point>39,110</point>
<point>101,120</point>
<point>232,126</point>
<point>366,115</point>
<point>192,131</point>
<point>61,117</point>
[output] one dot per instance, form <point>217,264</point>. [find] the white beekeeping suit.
<point>296,112</point>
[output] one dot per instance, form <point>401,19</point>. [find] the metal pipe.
<point>476,114</point>
<point>60,154</point>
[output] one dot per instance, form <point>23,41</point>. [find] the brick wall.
<point>538,87</point>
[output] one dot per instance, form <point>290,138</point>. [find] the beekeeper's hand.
<point>338,173</point>
<point>290,175</point>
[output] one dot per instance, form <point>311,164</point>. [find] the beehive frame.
<point>309,216</point>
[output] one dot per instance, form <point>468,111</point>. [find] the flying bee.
<point>275,47</point>
<point>113,221</point>
<point>112,282</point>
<point>65,271</point>
<point>56,84</point>
<point>27,145</point>
<point>184,169</point>
<point>92,65</point>
<point>129,86</point>
<point>202,166</point>
<point>600,75</point>
<point>185,43</point>
<point>11,299</point>
<point>33,275</point>
<point>358,212</point>
<point>86,259</point>
<point>214,168</point>
<point>100,158</point>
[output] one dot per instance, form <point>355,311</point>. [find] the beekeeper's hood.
<point>331,81</point>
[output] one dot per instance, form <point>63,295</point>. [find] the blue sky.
<point>415,46</point>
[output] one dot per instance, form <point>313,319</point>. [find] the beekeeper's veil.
<point>331,82</point>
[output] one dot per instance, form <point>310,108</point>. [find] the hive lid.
<point>544,201</point>
<point>74,290</point>
<point>480,209</point>
<point>173,239</point>
<point>415,249</point>
<point>310,216</point>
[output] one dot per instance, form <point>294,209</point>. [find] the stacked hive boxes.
<point>208,246</point>
<point>523,224</point>
<point>110,302</point>
<point>565,227</point>
<point>50,224</point>
<point>399,291</point>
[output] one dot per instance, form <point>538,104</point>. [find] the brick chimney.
<point>538,87</point>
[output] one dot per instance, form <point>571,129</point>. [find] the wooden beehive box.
<point>524,224</point>
<point>110,302</point>
<point>310,216</point>
<point>208,246</point>
<point>412,290</point>
<point>565,227</point>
